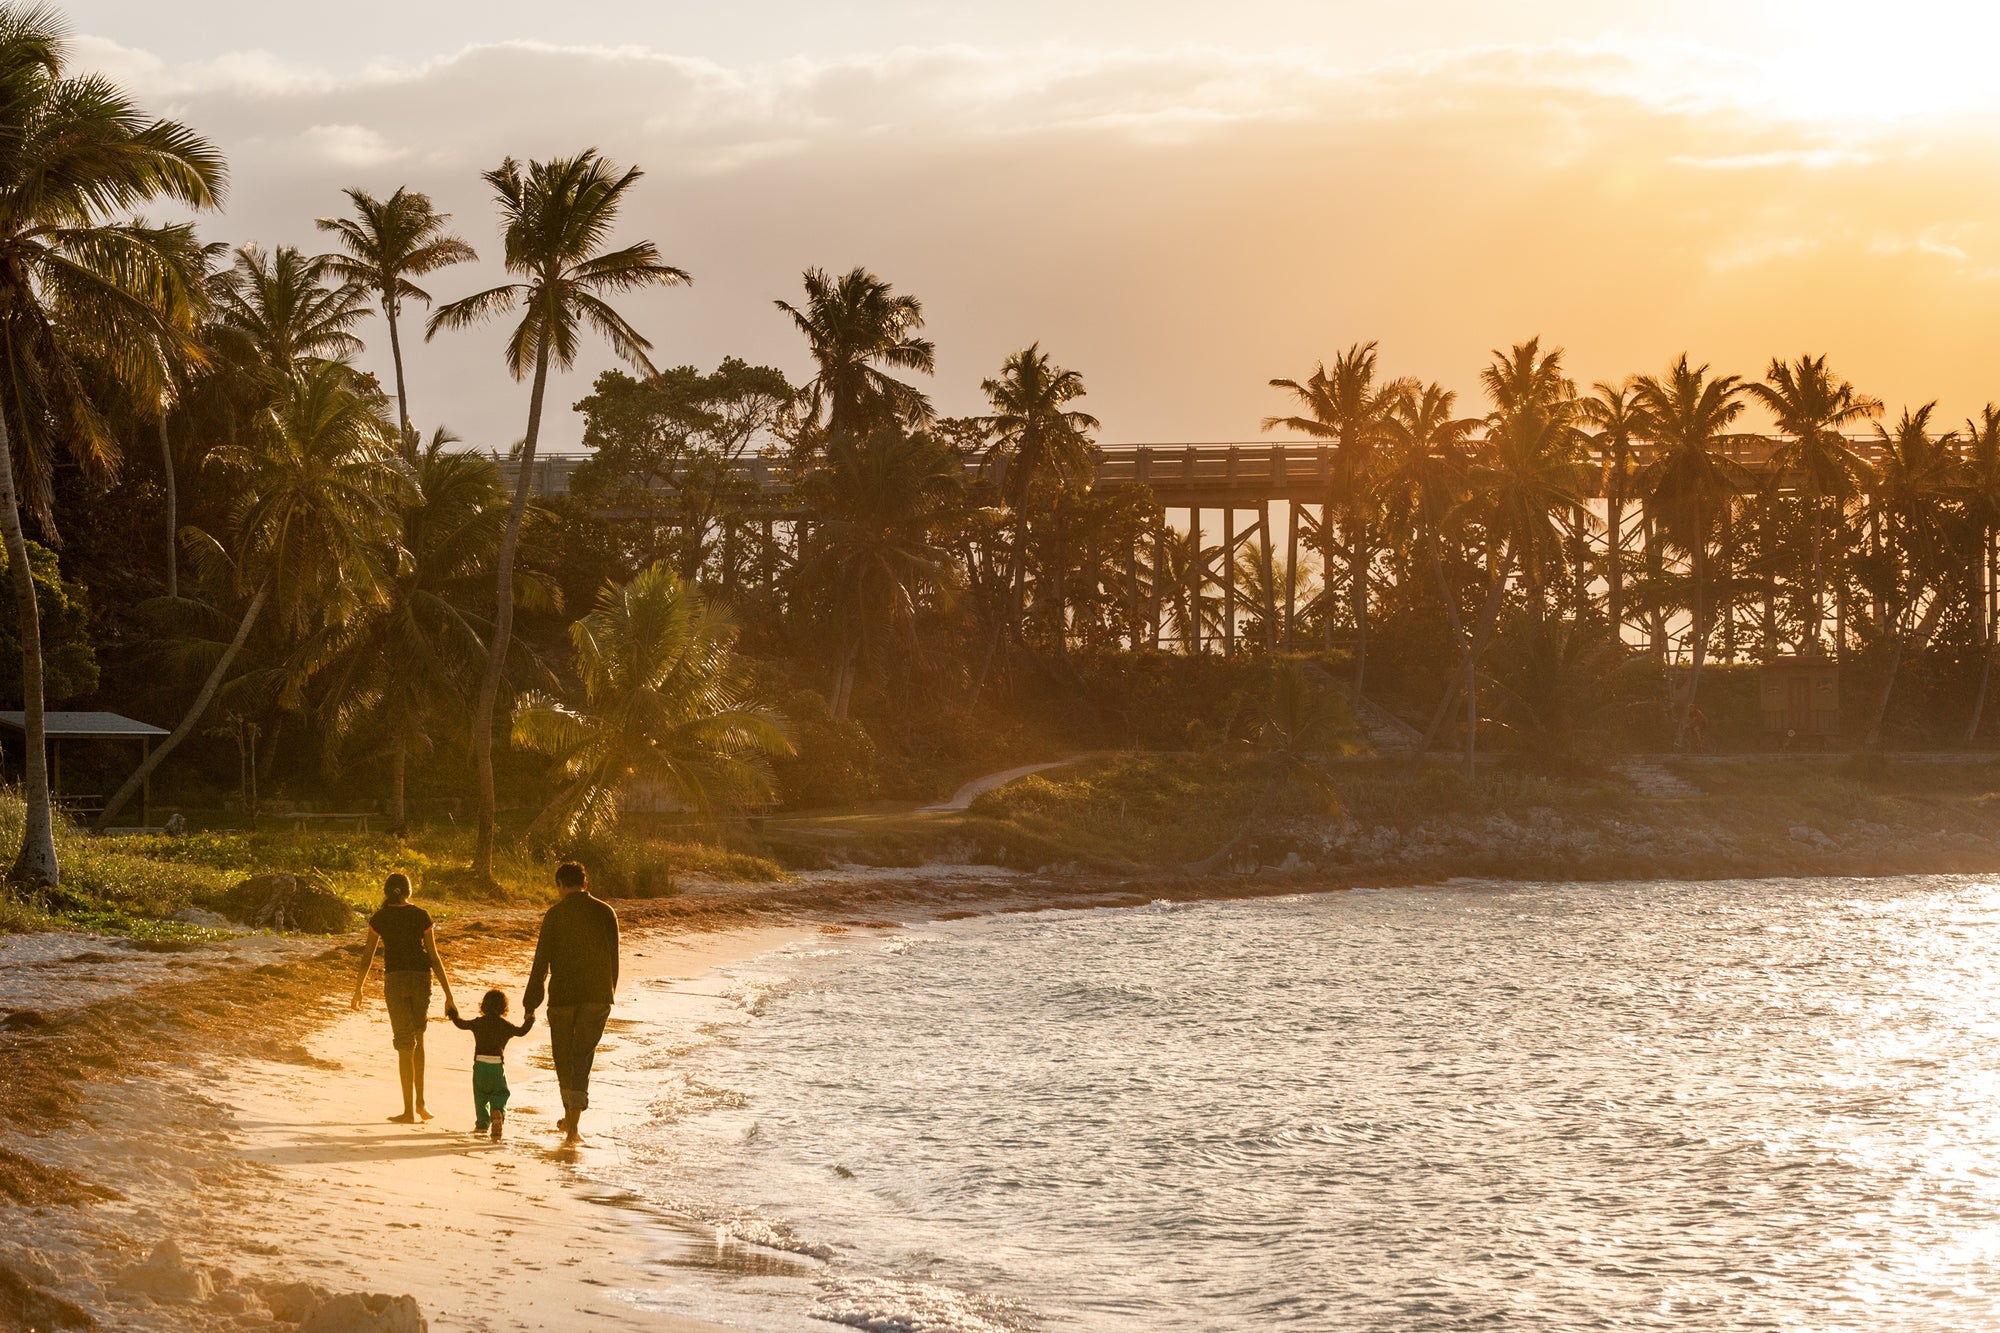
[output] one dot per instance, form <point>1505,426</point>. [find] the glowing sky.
<point>1179,199</point>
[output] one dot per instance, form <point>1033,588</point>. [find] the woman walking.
<point>402,930</point>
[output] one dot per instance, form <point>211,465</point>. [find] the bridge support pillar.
<point>1228,573</point>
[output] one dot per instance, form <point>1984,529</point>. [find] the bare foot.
<point>571,1138</point>
<point>422,1114</point>
<point>406,1118</point>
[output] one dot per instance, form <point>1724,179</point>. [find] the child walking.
<point>490,1034</point>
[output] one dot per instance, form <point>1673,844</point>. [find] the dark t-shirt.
<point>402,927</point>
<point>491,1033</point>
<point>577,954</point>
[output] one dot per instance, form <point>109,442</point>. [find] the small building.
<point>1799,698</point>
<point>75,727</point>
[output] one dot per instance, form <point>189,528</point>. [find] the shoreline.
<point>232,1103</point>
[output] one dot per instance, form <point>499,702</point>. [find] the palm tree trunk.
<point>399,759</point>
<point>1697,626</point>
<point>36,862</point>
<point>1358,591</point>
<point>194,712</point>
<point>1874,738</point>
<point>843,678</point>
<point>503,622</point>
<point>1979,699</point>
<point>1614,566</point>
<point>1489,616</point>
<point>405,431</point>
<point>173,511</point>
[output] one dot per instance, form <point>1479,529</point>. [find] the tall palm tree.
<point>1813,406</point>
<point>1982,515</point>
<point>555,219</point>
<point>666,701</point>
<point>74,285</point>
<point>278,309</point>
<point>1425,477</point>
<point>413,657</point>
<point>1347,405</point>
<point>388,242</point>
<point>1039,444</point>
<point>1919,486</point>
<point>877,551</point>
<point>1613,413</point>
<point>1529,480</point>
<point>316,491</point>
<point>854,326</point>
<point>1690,481</point>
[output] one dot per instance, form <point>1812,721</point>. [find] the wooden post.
<point>770,557</point>
<point>1229,576</point>
<point>1291,568</point>
<point>1200,570</point>
<point>1264,568</point>
<point>1159,572</point>
<point>1326,508</point>
<point>146,787</point>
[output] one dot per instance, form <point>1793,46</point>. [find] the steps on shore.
<point>1654,782</point>
<point>1387,734</point>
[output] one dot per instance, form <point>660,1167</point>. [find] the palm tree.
<point>556,217</point>
<point>1425,476</point>
<point>277,310</point>
<point>855,325</point>
<point>74,285</point>
<point>1690,481</point>
<point>1614,411</point>
<point>1034,437</point>
<point>1919,484</point>
<point>1982,515</point>
<point>316,490</point>
<point>1529,481</point>
<point>1813,406</point>
<point>412,658</point>
<point>1347,406</point>
<point>877,550</point>
<point>666,702</point>
<point>388,242</point>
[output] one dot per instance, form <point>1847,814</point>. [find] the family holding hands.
<point>575,969</point>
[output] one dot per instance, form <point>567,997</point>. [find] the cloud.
<point>350,145</point>
<point>1179,225</point>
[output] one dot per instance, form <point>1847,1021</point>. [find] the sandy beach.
<point>280,1169</point>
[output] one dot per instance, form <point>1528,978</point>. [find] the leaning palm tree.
<point>1690,481</point>
<point>1813,406</point>
<point>556,217</point>
<point>666,702</point>
<point>316,492</point>
<point>855,325</point>
<point>278,309</point>
<point>1038,443</point>
<point>388,242</point>
<point>76,286</point>
<point>1348,406</point>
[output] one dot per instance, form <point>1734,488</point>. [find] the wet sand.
<point>486,1236</point>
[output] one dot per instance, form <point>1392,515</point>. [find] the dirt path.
<point>978,787</point>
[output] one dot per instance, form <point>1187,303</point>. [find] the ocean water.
<point>1742,1105</point>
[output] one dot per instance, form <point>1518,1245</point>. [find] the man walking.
<point>577,958</point>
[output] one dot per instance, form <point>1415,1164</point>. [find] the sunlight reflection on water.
<point>1558,1107</point>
